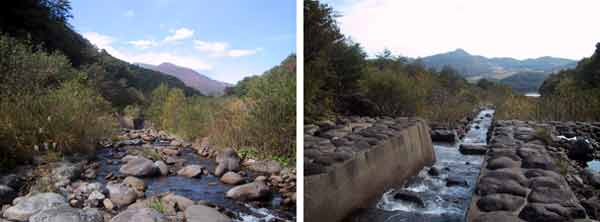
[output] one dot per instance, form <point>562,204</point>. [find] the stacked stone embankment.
<point>521,180</point>
<point>350,163</point>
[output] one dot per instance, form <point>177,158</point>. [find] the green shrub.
<point>45,103</point>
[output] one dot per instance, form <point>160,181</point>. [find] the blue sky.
<point>225,40</point>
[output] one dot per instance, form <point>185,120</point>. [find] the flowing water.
<point>207,188</point>
<point>442,203</point>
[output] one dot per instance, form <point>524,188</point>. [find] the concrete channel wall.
<point>360,180</point>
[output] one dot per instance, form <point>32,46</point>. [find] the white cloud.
<point>221,49</point>
<point>179,34</point>
<point>211,47</point>
<point>242,52</point>
<point>129,13</point>
<point>515,28</point>
<point>143,44</point>
<point>106,42</point>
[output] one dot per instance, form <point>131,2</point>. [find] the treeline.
<point>341,80</point>
<point>257,116</point>
<point>569,95</point>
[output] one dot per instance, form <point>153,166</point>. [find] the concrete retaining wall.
<point>361,180</point>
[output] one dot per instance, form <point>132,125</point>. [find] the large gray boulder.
<point>139,166</point>
<point>28,206</point>
<point>120,194</point>
<point>227,160</point>
<point>201,213</point>
<point>232,178</point>
<point>470,149</point>
<point>68,214</point>
<point>251,191</point>
<point>139,215</point>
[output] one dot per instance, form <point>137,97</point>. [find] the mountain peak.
<point>460,51</point>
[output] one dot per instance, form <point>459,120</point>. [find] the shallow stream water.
<point>442,203</point>
<point>207,188</point>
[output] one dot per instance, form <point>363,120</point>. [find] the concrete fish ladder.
<point>360,180</point>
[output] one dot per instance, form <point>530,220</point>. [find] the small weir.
<point>438,193</point>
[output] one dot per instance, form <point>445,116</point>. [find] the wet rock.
<point>162,167</point>
<point>68,214</point>
<point>139,166</point>
<point>443,135</point>
<point>28,206</point>
<point>469,149</point>
<point>181,203</point>
<point>582,150</point>
<point>227,160</point>
<point>139,215</point>
<point>7,194</point>
<point>121,194</point>
<point>535,212</point>
<point>410,197</point>
<point>133,142</point>
<point>251,191</point>
<point>232,178</point>
<point>499,202</point>
<point>191,171</point>
<point>500,216</point>
<point>201,213</point>
<point>265,166</point>
<point>456,181</point>
<point>433,171</point>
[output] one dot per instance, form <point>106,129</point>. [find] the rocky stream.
<point>148,175</point>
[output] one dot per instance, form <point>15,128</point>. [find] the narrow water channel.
<point>441,196</point>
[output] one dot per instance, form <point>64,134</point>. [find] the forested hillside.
<point>45,24</point>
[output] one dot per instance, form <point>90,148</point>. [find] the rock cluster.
<point>521,180</point>
<point>327,142</point>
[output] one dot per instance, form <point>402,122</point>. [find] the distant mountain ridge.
<point>191,78</point>
<point>476,67</point>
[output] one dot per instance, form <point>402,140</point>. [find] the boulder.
<point>581,149</point>
<point>139,166</point>
<point>181,202</point>
<point>227,160</point>
<point>265,166</point>
<point>29,206</point>
<point>433,171</point>
<point>410,197</point>
<point>232,178</point>
<point>135,183</point>
<point>121,194</point>
<point>64,172</point>
<point>191,171</point>
<point>536,212</point>
<point>201,213</point>
<point>7,194</point>
<point>443,135</point>
<point>251,191</point>
<point>470,149</point>
<point>162,167</point>
<point>502,162</point>
<point>139,215</point>
<point>68,214</point>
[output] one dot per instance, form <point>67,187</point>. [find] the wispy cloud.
<point>221,49</point>
<point>144,44</point>
<point>179,34</point>
<point>129,13</point>
<point>106,42</point>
